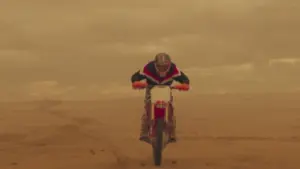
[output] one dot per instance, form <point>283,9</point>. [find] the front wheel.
<point>158,142</point>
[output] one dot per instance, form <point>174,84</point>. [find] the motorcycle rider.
<point>160,71</point>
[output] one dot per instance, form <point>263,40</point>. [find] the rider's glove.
<point>183,87</point>
<point>139,85</point>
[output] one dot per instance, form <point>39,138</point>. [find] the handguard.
<point>139,85</point>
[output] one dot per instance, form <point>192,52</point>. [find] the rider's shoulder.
<point>175,71</point>
<point>174,66</point>
<point>148,66</point>
<point>150,63</point>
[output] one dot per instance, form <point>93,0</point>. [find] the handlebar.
<point>143,85</point>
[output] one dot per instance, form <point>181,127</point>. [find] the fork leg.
<point>172,120</point>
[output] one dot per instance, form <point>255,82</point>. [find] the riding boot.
<point>173,137</point>
<point>144,128</point>
<point>144,133</point>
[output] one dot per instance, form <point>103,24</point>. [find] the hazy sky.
<point>85,49</point>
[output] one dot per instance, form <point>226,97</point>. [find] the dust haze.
<point>80,50</point>
<point>242,57</point>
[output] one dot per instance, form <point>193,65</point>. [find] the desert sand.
<point>242,57</point>
<point>214,132</point>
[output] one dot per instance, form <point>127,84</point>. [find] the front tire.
<point>158,143</point>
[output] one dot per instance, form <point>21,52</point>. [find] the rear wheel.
<point>158,143</point>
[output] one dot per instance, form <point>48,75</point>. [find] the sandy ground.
<point>215,132</point>
<point>80,50</point>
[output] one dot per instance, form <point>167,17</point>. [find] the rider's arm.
<point>137,76</point>
<point>182,78</point>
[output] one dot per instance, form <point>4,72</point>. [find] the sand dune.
<point>215,132</point>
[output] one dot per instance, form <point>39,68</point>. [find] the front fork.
<point>168,118</point>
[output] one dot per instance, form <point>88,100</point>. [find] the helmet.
<point>162,62</point>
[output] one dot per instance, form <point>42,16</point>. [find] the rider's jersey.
<point>149,73</point>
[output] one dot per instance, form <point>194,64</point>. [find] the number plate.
<point>161,93</point>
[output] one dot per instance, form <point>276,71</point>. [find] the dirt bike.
<point>160,126</point>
